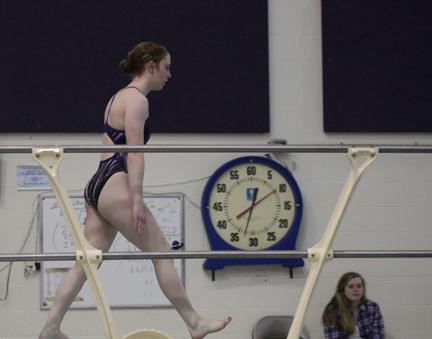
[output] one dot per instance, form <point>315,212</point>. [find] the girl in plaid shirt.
<point>349,315</point>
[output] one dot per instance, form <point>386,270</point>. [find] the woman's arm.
<point>377,323</point>
<point>332,333</point>
<point>135,117</point>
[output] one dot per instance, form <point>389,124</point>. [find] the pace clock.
<point>251,203</point>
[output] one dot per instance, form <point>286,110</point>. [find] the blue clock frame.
<point>288,242</point>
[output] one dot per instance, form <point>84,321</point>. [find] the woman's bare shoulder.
<point>135,101</point>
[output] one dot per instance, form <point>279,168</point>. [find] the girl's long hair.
<point>339,313</point>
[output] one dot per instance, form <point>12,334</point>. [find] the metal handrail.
<point>265,148</point>
<point>342,254</point>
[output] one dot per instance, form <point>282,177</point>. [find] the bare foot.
<point>50,332</point>
<point>205,327</point>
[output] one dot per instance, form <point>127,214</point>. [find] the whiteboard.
<point>126,283</point>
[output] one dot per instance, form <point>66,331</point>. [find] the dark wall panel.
<point>377,65</point>
<point>58,63</point>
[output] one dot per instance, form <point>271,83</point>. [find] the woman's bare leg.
<point>100,234</point>
<point>115,206</point>
<point>173,288</point>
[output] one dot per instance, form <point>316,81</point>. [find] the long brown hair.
<point>141,54</point>
<point>339,313</point>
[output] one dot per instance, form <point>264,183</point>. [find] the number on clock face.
<point>252,206</point>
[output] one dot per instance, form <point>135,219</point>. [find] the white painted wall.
<point>391,209</point>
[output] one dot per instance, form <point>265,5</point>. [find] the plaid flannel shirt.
<point>370,323</point>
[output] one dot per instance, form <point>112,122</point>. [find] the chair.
<point>275,327</point>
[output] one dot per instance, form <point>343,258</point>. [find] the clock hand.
<point>255,193</point>
<point>254,204</point>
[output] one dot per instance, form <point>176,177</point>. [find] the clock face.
<point>251,203</point>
